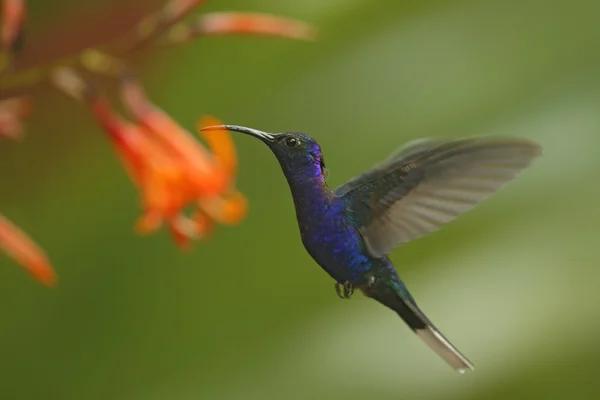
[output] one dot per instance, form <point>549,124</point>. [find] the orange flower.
<point>13,17</point>
<point>23,250</point>
<point>203,177</point>
<point>218,23</point>
<point>11,31</point>
<point>227,23</point>
<point>172,169</point>
<point>12,113</point>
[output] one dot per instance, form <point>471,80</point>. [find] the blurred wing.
<point>428,183</point>
<point>411,149</point>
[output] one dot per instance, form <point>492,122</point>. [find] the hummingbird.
<point>351,230</point>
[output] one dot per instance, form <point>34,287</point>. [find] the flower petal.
<point>23,250</point>
<point>204,225</point>
<point>149,222</point>
<point>229,210</point>
<point>183,230</point>
<point>220,144</point>
<point>219,23</point>
<point>206,180</point>
<point>12,112</point>
<point>13,18</point>
<point>139,153</point>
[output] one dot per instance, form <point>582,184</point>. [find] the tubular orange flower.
<point>203,177</point>
<point>220,143</point>
<point>254,23</point>
<point>227,23</point>
<point>24,251</point>
<point>208,176</point>
<point>170,167</point>
<point>166,163</point>
<point>12,113</point>
<point>173,170</point>
<point>13,17</point>
<point>229,208</point>
<point>160,176</point>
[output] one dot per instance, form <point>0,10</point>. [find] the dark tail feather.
<point>420,324</point>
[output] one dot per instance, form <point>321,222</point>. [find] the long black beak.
<point>265,137</point>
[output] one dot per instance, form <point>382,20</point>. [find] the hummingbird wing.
<point>428,183</point>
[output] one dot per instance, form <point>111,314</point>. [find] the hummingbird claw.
<point>337,290</point>
<point>346,292</point>
<point>348,289</point>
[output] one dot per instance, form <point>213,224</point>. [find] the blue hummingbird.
<point>350,230</point>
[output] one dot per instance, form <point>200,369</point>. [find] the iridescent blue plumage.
<point>325,233</point>
<point>349,231</point>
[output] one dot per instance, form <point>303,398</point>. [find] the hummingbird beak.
<point>265,137</point>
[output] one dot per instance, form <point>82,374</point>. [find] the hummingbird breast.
<point>328,237</point>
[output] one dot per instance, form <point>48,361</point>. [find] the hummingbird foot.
<point>344,291</point>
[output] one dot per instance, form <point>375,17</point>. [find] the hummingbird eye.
<point>291,142</point>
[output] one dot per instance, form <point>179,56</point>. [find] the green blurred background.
<point>248,314</point>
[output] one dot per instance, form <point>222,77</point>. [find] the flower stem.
<point>101,60</point>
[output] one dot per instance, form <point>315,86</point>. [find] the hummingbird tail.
<point>438,343</point>
<point>399,300</point>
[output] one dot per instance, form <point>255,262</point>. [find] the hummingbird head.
<point>298,154</point>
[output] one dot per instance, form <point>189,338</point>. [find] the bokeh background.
<point>248,314</point>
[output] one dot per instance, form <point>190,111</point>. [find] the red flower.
<point>24,251</point>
